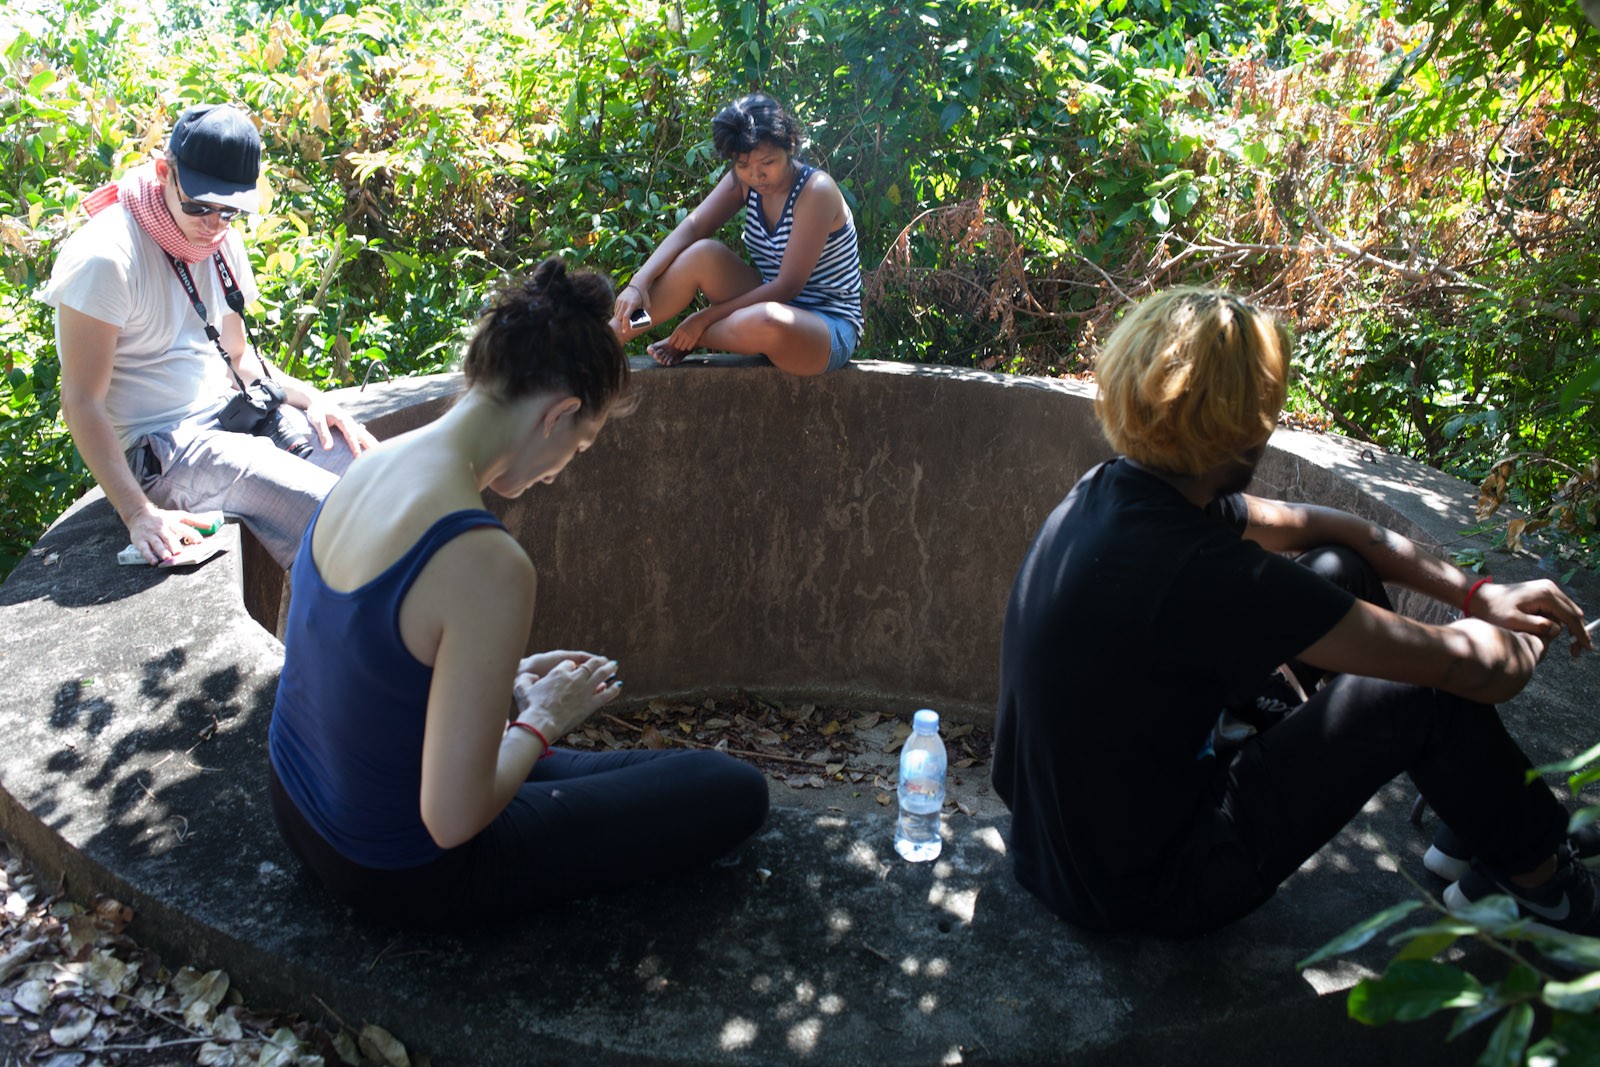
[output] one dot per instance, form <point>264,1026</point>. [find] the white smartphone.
<point>640,319</point>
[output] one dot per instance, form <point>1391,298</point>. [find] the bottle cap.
<point>925,721</point>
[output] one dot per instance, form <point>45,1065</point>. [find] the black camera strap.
<point>230,292</point>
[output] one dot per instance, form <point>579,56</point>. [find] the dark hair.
<point>550,333</point>
<point>744,124</point>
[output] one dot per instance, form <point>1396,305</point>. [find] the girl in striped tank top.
<point>800,303</point>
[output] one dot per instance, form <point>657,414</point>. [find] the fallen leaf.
<point>16,956</point>
<point>345,1046</point>
<point>379,1044</point>
<point>32,996</point>
<point>651,738</point>
<point>883,798</point>
<point>835,768</point>
<point>212,1054</point>
<point>866,722</point>
<point>964,763</point>
<point>112,914</point>
<point>830,729</point>
<point>72,1026</point>
<point>717,724</point>
<point>199,994</point>
<point>280,1050</point>
<point>104,974</point>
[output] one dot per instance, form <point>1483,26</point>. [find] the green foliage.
<point>1563,986</point>
<point>1416,189</point>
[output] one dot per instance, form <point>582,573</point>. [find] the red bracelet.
<point>1466,605</point>
<point>535,731</point>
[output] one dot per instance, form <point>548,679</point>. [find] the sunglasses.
<point>199,209</point>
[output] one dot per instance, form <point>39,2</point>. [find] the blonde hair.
<point>1192,379</point>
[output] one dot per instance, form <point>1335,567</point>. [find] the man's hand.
<point>322,415</point>
<point>160,534</point>
<point>1537,607</point>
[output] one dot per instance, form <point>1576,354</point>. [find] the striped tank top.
<point>834,287</point>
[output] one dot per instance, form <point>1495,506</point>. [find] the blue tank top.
<point>346,733</point>
<point>834,287</point>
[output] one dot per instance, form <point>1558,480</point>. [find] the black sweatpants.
<point>584,823</point>
<point>1287,791</point>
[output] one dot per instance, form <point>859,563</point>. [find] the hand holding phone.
<point>640,319</point>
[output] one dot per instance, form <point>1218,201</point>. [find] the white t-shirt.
<point>164,369</point>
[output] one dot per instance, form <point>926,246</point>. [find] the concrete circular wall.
<point>850,538</point>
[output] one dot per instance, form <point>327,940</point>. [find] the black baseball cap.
<point>218,155</point>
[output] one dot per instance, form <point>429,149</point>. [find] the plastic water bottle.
<point>922,766</point>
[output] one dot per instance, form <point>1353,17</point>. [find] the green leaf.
<point>1566,766</point>
<point>1574,950</point>
<point>1361,933</point>
<point>1573,1040</point>
<point>1580,995</point>
<point>1185,199</point>
<point>1411,990</point>
<point>1509,1039</point>
<point>1420,945</point>
<point>1493,914</point>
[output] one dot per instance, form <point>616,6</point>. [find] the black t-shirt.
<point>1135,617</point>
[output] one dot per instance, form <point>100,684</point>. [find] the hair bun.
<point>551,277</point>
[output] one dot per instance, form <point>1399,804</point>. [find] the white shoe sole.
<point>1450,868</point>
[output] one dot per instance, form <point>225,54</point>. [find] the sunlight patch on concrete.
<point>803,1036</point>
<point>737,1033</point>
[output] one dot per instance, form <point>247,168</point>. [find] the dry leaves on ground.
<point>803,745</point>
<point>76,991</point>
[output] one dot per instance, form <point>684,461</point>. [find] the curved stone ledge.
<point>851,539</point>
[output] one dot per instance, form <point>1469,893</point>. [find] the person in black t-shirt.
<point>1158,593</point>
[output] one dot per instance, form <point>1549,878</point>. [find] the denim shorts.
<point>844,335</point>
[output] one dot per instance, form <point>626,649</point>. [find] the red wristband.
<point>1466,605</point>
<point>518,724</point>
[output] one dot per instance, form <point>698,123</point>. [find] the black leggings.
<point>1287,791</point>
<point>584,823</point>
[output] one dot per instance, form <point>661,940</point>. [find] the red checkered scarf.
<point>140,193</point>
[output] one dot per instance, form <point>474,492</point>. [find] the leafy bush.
<point>1417,985</point>
<point>1417,193</point>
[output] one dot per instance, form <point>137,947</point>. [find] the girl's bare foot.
<point>665,355</point>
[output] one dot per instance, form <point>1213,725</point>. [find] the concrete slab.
<point>136,713</point>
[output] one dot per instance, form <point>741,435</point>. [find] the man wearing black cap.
<point>172,409</point>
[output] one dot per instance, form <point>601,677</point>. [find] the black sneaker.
<point>1569,901</point>
<point>1450,857</point>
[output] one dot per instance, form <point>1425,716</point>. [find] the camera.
<point>639,319</point>
<point>255,410</point>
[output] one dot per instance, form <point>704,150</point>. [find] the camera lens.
<point>289,437</point>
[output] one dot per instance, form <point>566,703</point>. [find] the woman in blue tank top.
<point>395,775</point>
<point>800,303</point>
